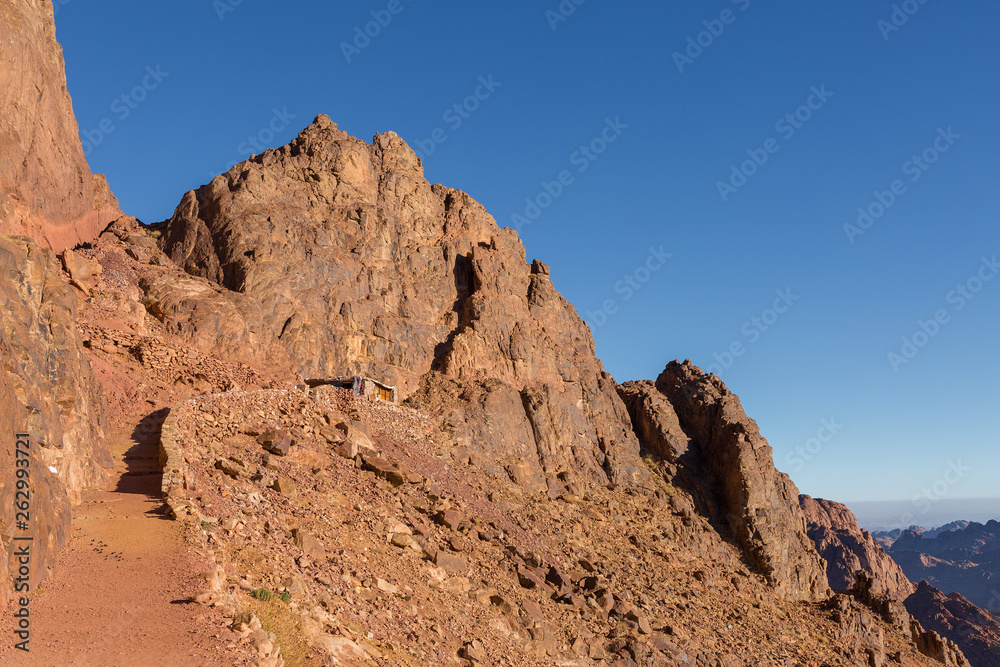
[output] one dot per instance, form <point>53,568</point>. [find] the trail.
<point>119,593</point>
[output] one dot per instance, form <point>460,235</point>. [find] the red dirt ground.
<point>120,590</point>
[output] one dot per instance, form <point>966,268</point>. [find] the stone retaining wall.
<point>177,476</point>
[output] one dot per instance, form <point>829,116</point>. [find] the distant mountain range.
<point>887,537</point>
<point>962,557</point>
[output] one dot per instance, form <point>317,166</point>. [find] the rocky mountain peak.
<point>338,257</point>
<point>717,453</point>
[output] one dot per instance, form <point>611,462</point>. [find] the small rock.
<point>284,485</point>
<point>530,580</point>
<point>386,587</point>
<point>232,467</point>
<point>310,545</point>
<point>384,469</point>
<point>450,562</point>
<point>275,441</point>
<point>400,539</point>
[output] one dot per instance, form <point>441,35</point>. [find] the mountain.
<point>856,561</point>
<point>47,389</point>
<point>337,257</point>
<point>518,506</point>
<point>47,191</point>
<point>964,560</point>
<point>977,632</point>
<point>887,537</point>
<point>690,419</point>
<point>849,550</point>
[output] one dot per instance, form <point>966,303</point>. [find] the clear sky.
<point>737,137</point>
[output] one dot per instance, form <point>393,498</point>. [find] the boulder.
<point>275,441</point>
<point>84,274</point>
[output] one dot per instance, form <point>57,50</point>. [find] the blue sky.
<point>737,137</point>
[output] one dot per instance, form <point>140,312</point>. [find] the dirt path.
<point>120,590</point>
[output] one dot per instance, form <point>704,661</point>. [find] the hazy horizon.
<point>891,514</point>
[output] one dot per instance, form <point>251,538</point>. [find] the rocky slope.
<point>46,189</point>
<point>354,537</point>
<point>519,509</point>
<point>712,448</point>
<point>336,256</point>
<point>848,549</point>
<point>856,561</point>
<point>974,630</point>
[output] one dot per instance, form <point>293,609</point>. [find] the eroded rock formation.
<point>46,189</point>
<point>694,422</point>
<point>974,630</point>
<point>337,256</point>
<point>47,368</point>
<point>848,549</point>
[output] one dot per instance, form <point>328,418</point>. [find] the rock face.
<point>338,257</point>
<point>49,513</point>
<point>46,366</point>
<point>690,419</point>
<point>952,616</point>
<point>46,189</point>
<point>848,550</point>
<point>47,391</point>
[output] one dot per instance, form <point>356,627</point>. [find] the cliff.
<point>690,419</point>
<point>46,189</point>
<point>849,550</point>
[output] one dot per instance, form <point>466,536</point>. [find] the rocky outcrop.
<point>49,508</point>
<point>949,629</point>
<point>46,189</point>
<point>47,368</point>
<point>338,257</point>
<point>698,427</point>
<point>47,393</point>
<point>849,550</point>
<point>974,630</point>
